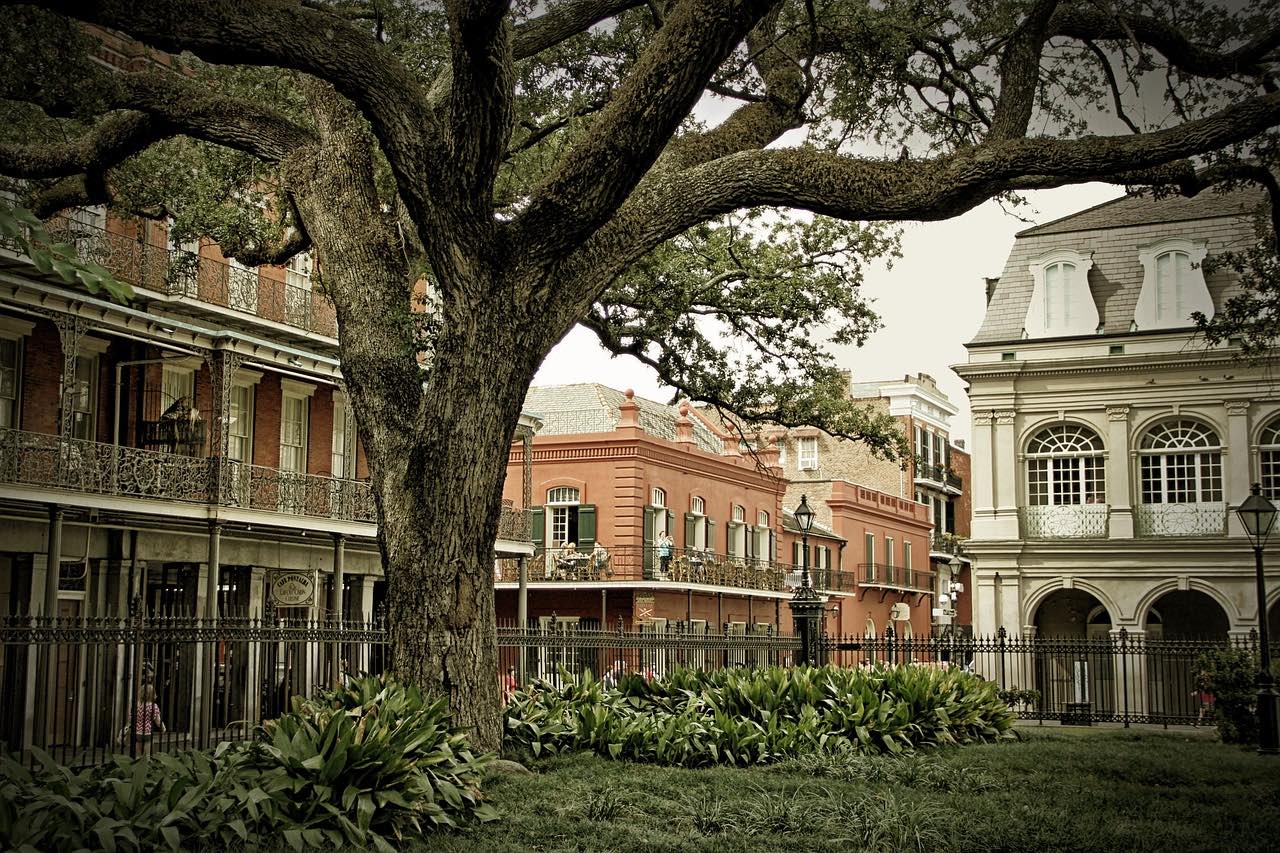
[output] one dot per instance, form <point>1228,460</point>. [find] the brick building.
<point>191,454</point>
<point>616,470</point>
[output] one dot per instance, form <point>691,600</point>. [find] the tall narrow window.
<point>240,425</point>
<point>888,551</point>
<point>297,291</point>
<point>9,373</point>
<point>869,548</point>
<point>293,434</point>
<point>338,458</point>
<point>83,397</point>
<point>1173,278</point>
<point>1057,295</point>
<point>906,554</point>
<point>1269,460</point>
<point>562,505</point>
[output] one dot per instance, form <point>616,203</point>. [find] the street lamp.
<point>804,518</point>
<point>806,604</point>
<point>1258,515</point>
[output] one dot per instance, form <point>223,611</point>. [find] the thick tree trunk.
<point>437,456</point>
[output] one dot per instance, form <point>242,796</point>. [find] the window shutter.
<point>826,557</point>
<point>690,530</point>
<point>729,530</point>
<point>773,546</point>
<point>647,557</point>
<point>537,525</point>
<point>795,553</point>
<point>711,534</point>
<point>671,524</point>
<point>586,527</point>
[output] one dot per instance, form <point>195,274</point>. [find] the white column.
<point>1119,473</point>
<point>253,668</point>
<point>1236,461</point>
<point>983,485</point>
<point>985,615</point>
<point>1005,450</point>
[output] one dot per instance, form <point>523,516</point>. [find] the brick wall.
<point>266,422</point>
<point>320,433</point>
<point>41,373</point>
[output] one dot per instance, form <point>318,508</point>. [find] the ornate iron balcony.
<point>1189,519</point>
<point>897,578</point>
<point>90,467</point>
<point>1069,521</point>
<point>177,272</point>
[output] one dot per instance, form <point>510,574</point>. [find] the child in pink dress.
<point>147,719</point>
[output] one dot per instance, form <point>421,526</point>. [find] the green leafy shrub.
<point>742,717</point>
<point>357,766</point>
<point>1230,675</point>
<point>1018,696</point>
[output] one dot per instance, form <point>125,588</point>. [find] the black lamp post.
<point>1258,515</point>
<point>806,604</point>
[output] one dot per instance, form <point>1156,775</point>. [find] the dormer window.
<point>1061,302</point>
<point>1173,285</point>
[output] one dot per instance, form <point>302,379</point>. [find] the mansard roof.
<point>1112,234</point>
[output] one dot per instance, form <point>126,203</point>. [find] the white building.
<point>1110,444</point>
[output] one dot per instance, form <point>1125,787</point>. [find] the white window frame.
<point>561,500</point>
<point>1269,459</point>
<point>1063,476</point>
<point>300,393</point>
<point>240,422</point>
<point>658,497</point>
<point>340,460</point>
<point>1147,314</point>
<point>297,291</point>
<point>697,506</point>
<point>698,509</point>
<point>1199,463</point>
<point>807,452</point>
<point>1080,311</point>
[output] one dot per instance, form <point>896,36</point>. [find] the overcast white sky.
<point>930,303</point>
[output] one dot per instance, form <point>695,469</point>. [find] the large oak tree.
<point>693,180</point>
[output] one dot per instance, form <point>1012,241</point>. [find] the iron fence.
<point>83,689</point>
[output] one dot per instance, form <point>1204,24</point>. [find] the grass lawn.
<point>1112,791</point>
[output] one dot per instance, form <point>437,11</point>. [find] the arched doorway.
<point>1071,614</point>
<point>1074,665</point>
<point>1178,625</point>
<point>1186,614</point>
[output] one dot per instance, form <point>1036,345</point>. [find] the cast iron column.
<point>806,611</point>
<point>1268,735</point>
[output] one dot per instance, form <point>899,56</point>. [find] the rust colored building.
<point>612,473</point>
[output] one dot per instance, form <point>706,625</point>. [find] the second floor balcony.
<point>266,293</point>
<point>1068,521</point>
<point>1181,519</point>
<point>894,578</point>
<point>636,564</point>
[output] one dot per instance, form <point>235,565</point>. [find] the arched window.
<point>1173,285</point>
<point>659,498</point>
<point>1065,467</point>
<point>697,506</point>
<point>1180,462</point>
<point>762,519</point>
<point>1058,282</point>
<point>562,515</point>
<point>1269,460</point>
<point>739,514</point>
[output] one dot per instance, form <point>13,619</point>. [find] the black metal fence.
<point>83,689</point>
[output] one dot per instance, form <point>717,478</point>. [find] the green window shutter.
<point>586,527</point>
<point>537,524</point>
<point>729,530</point>
<point>647,557</point>
<point>711,534</point>
<point>773,545</point>
<point>690,530</point>
<point>795,553</point>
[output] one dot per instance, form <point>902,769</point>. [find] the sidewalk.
<point>1029,727</point>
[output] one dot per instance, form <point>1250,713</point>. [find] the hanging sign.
<point>644,608</point>
<point>292,589</point>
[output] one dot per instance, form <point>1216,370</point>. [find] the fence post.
<point>1124,672</point>
<point>1001,635</point>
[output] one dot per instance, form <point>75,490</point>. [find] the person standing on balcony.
<point>600,561</point>
<point>665,544</point>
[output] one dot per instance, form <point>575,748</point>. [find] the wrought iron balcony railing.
<point>513,523</point>
<point>178,272</point>
<point>90,467</point>
<point>897,578</point>
<point>633,564</point>
<point>1070,521</point>
<point>946,543</point>
<point>953,479</point>
<point>1189,519</point>
<point>930,472</point>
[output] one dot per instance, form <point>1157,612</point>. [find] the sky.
<point>930,303</point>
